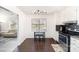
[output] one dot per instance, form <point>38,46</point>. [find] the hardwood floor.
<point>30,45</point>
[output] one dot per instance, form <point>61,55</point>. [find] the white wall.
<point>25,23</point>
<point>78,14</point>
<point>4,27</point>
<point>50,25</point>
<point>6,22</point>
<point>22,22</point>
<point>3,19</point>
<point>68,14</point>
<point>25,30</point>
<point>57,18</point>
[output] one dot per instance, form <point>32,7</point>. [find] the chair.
<point>39,36</point>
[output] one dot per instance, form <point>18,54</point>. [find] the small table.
<point>39,36</point>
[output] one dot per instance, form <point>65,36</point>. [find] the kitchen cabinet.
<point>74,44</point>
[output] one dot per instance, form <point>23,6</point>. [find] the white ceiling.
<point>49,9</point>
<point>5,11</point>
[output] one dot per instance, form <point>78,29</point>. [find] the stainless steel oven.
<point>64,41</point>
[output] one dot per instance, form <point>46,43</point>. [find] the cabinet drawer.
<point>74,45</point>
<point>75,48</point>
<point>77,41</point>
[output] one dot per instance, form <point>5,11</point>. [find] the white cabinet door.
<point>74,44</point>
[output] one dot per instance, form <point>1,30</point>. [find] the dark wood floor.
<point>30,45</point>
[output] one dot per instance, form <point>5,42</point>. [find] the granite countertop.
<point>74,30</point>
<point>76,37</point>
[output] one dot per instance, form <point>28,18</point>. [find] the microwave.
<point>61,28</point>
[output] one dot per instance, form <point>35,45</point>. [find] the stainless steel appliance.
<point>64,40</point>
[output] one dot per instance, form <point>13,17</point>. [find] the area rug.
<point>57,48</point>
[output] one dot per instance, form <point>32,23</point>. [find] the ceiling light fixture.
<point>40,12</point>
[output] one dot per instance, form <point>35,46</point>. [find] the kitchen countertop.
<point>75,37</point>
<point>73,30</point>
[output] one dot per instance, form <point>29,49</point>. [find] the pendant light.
<point>40,12</point>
